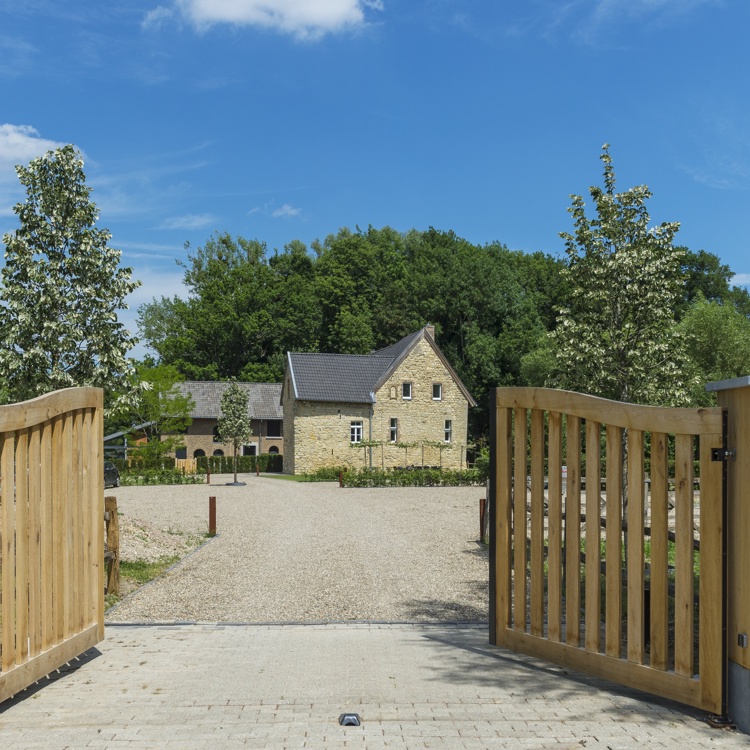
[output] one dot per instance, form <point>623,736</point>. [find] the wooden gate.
<point>607,539</point>
<point>51,534</point>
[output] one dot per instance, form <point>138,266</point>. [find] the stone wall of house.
<point>200,436</point>
<point>322,435</point>
<point>421,419</point>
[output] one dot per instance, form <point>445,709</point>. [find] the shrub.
<point>412,478</point>
<point>158,476</point>
<point>325,474</point>
<point>268,462</point>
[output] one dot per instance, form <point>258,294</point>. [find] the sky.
<point>279,120</point>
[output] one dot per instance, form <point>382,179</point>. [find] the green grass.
<point>286,477</point>
<point>139,572</point>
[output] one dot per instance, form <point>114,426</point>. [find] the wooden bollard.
<point>341,478</point>
<point>113,545</point>
<point>212,516</point>
<point>208,476</point>
<point>257,468</point>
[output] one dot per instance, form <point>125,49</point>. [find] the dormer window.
<point>406,391</point>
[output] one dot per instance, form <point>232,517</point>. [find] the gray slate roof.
<point>263,398</point>
<point>353,378</point>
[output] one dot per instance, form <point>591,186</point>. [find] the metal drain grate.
<point>350,720</point>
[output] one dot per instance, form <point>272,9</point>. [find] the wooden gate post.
<point>734,395</point>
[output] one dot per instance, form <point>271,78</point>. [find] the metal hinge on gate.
<point>723,454</point>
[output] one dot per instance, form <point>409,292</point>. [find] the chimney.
<point>429,328</point>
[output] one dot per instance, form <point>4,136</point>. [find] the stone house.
<point>264,409</point>
<point>404,402</point>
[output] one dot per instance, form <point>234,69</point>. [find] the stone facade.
<point>200,437</point>
<point>432,419</point>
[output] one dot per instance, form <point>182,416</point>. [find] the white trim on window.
<point>448,431</point>
<point>394,429</point>
<point>437,391</point>
<point>355,432</point>
<point>406,391</point>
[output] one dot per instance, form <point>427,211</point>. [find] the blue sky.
<point>290,119</point>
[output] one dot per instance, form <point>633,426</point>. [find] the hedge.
<point>268,462</point>
<point>413,478</point>
<point>135,478</point>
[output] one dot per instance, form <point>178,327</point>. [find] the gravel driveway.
<point>299,552</point>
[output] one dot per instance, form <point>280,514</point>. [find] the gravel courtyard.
<point>300,552</point>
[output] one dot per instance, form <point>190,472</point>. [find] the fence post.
<point>734,395</point>
<point>113,545</point>
<point>212,516</point>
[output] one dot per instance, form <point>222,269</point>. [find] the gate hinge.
<point>723,454</point>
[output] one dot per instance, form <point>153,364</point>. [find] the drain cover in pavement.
<point>349,720</point>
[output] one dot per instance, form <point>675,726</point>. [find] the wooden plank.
<point>47,573</point>
<point>636,503</point>
<point>641,677</point>
<point>536,561</point>
<point>22,546</point>
<point>35,547</point>
<point>27,674</point>
<point>76,525</point>
<point>97,456</point>
<point>613,598</point>
<point>593,536</point>
<point>87,522</point>
<point>520,421</point>
<point>630,416</point>
<point>58,531</point>
<point>7,478</point>
<point>710,622</point>
<point>684,576</point>
<point>658,592</point>
<point>554,536</point>
<point>45,408</point>
<point>573,532</point>
<point>503,520</point>
<point>66,561</point>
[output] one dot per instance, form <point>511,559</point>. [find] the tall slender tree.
<point>235,426</point>
<point>62,286</point>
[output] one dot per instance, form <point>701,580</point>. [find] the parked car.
<point>111,475</point>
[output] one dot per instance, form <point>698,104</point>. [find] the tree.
<point>159,409</point>
<point>617,339</point>
<point>61,287</point>
<point>234,422</point>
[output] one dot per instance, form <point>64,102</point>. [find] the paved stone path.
<point>194,687</point>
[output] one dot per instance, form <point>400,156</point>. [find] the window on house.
<point>218,452</point>
<point>180,453</point>
<point>199,453</point>
<point>356,432</point>
<point>273,449</point>
<point>394,430</point>
<point>437,391</point>
<point>448,433</point>
<point>273,428</point>
<point>217,437</point>
<point>406,391</point>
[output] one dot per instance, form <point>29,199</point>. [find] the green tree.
<point>717,338</point>
<point>62,287</point>
<point>234,421</point>
<point>617,339</point>
<point>159,409</point>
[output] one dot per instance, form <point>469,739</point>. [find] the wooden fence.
<point>51,533</point>
<point>584,580</point>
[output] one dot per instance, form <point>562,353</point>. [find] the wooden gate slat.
<point>503,521</point>
<point>684,576</point>
<point>613,598</point>
<point>519,519</point>
<point>554,536</point>
<point>536,560</point>
<point>593,536</point>
<point>658,592</point>
<point>573,531</point>
<point>22,546</point>
<point>636,499</point>
<point>35,538</point>
<point>7,476</point>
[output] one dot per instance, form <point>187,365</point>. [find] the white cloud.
<point>740,279</point>
<point>157,17</point>
<point>286,212</point>
<point>301,18</point>
<point>188,221</point>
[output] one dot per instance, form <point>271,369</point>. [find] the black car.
<point>111,475</point>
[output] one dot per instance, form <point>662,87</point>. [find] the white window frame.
<point>448,431</point>
<point>406,386</point>
<point>355,431</point>
<point>439,387</point>
<point>394,429</point>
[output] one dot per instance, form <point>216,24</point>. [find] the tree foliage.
<point>62,287</point>
<point>234,421</point>
<point>617,337</point>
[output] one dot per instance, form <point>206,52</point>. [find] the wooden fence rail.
<point>51,533</point>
